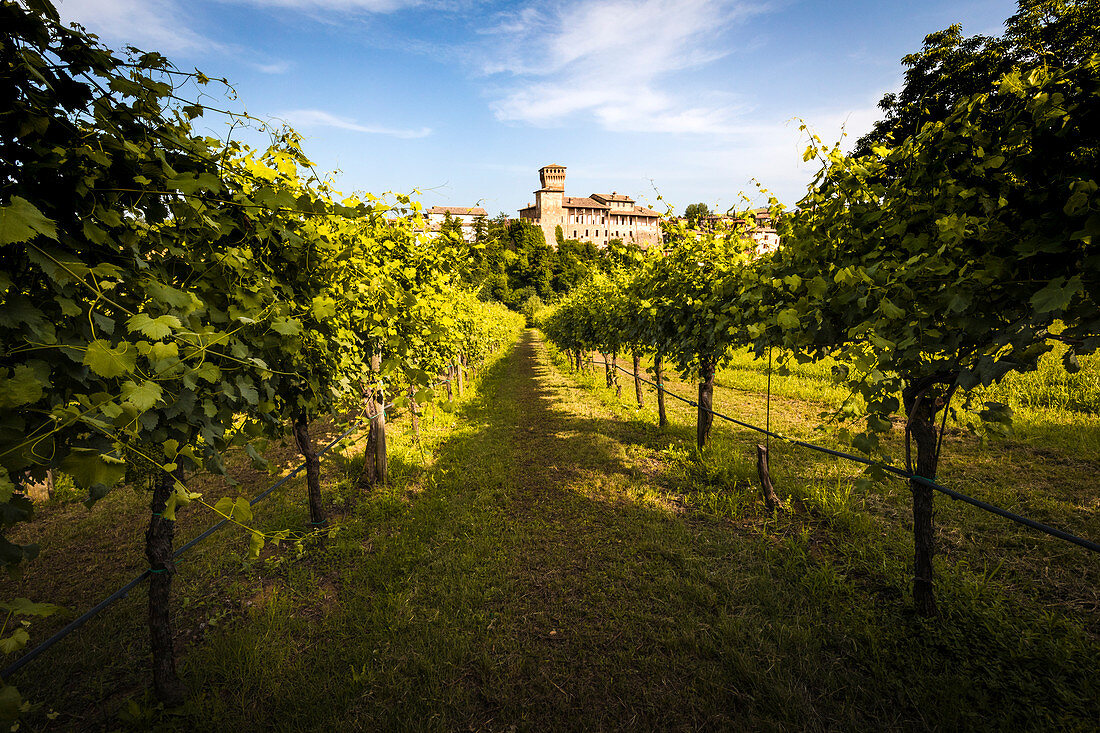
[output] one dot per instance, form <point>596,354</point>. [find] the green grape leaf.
<point>89,467</point>
<point>1056,295</point>
<point>142,396</point>
<point>242,512</point>
<point>26,607</point>
<point>788,319</point>
<point>22,388</point>
<point>108,362</point>
<point>20,221</point>
<point>287,326</point>
<point>15,642</point>
<point>255,544</point>
<point>155,328</point>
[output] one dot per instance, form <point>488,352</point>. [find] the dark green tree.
<point>695,212</point>
<point>575,262</point>
<point>950,66</point>
<point>533,263</point>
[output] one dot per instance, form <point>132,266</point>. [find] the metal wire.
<point>956,495</point>
<point>125,590</point>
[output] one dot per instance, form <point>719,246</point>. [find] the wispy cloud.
<point>275,67</point>
<point>306,118</point>
<point>349,6</point>
<point>148,24</point>
<point>613,61</point>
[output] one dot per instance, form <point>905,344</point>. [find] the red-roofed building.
<point>599,218</point>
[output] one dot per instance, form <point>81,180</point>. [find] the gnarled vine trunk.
<point>375,461</point>
<point>920,409</point>
<point>706,402</point>
<point>638,378</point>
<point>313,469</point>
<point>615,374</point>
<point>607,369</point>
<point>414,413</point>
<point>167,685</point>
<point>658,372</point>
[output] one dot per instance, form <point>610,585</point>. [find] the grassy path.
<point>562,565</point>
<point>534,580</point>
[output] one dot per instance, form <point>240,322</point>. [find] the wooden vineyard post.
<point>706,402</point>
<point>662,418</point>
<point>638,378</point>
<point>607,369</point>
<point>460,371</point>
<point>615,374</point>
<point>450,382</point>
<point>578,360</point>
<point>167,685</point>
<point>762,469</point>
<point>313,470</point>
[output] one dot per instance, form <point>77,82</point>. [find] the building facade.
<point>598,218</point>
<point>464,215</point>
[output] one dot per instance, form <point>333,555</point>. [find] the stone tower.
<point>549,199</point>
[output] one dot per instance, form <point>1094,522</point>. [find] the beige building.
<point>599,218</point>
<point>465,215</point>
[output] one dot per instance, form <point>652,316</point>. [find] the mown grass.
<point>558,562</point>
<point>1052,408</point>
<point>1007,580</point>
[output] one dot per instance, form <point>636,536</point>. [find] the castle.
<point>599,218</point>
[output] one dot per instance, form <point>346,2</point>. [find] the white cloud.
<point>350,6</point>
<point>612,60</point>
<point>306,118</point>
<point>158,25</point>
<point>275,67</point>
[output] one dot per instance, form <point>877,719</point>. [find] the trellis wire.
<point>125,590</point>
<point>956,495</point>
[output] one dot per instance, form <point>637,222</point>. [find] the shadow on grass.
<point>537,575</point>
<point>533,577</point>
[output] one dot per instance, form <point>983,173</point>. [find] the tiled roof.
<point>461,210</point>
<point>578,202</point>
<point>611,197</point>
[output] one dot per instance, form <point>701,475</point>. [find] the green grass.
<point>1052,409</point>
<point>558,562</point>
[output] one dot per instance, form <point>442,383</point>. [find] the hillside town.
<point>600,218</point>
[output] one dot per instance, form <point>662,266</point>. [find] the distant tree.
<point>533,264</point>
<point>559,235</point>
<point>575,262</point>
<point>451,226</point>
<point>530,308</point>
<point>618,255</point>
<point>487,256</point>
<point>695,212</point>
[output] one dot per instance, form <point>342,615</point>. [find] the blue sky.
<point>465,100</point>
